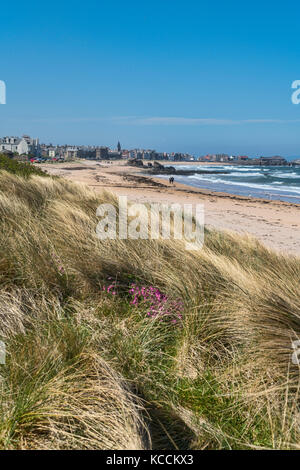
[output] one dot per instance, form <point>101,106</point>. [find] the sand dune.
<point>275,223</point>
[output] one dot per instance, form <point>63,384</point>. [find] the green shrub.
<point>24,169</point>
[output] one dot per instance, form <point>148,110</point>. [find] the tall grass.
<point>88,369</point>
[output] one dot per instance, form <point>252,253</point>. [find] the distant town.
<point>26,148</point>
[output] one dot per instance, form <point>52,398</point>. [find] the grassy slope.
<point>15,167</point>
<point>87,369</point>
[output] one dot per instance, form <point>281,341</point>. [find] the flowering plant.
<point>156,302</point>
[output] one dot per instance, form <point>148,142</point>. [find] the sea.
<point>267,182</point>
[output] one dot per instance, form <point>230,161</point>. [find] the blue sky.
<point>192,76</point>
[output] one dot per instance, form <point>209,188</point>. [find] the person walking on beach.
<point>171,180</point>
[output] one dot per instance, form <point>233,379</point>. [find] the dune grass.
<point>24,169</point>
<point>88,368</point>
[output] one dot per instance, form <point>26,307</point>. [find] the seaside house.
<point>70,153</point>
<point>24,145</point>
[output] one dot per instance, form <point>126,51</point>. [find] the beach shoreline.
<point>275,223</point>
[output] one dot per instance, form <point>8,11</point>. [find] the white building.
<point>70,153</point>
<point>21,145</point>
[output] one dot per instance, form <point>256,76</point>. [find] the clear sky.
<point>200,77</point>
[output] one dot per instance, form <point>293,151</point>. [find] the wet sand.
<point>275,223</point>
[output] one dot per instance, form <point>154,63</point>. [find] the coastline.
<point>275,223</point>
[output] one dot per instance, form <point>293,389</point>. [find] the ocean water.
<point>278,182</point>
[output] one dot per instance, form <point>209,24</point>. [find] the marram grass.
<point>86,369</point>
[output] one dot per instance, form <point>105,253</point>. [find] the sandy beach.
<point>275,223</point>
